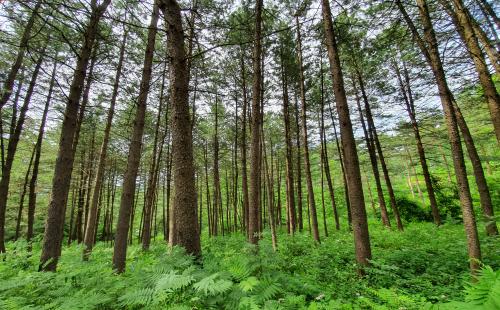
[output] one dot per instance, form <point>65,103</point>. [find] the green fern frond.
<point>210,286</point>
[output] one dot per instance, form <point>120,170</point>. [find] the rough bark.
<point>255,147</point>
<point>134,154</point>
<point>351,161</point>
<point>429,47</point>
<point>184,229</point>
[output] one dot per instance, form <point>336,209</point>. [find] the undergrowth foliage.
<point>424,267</point>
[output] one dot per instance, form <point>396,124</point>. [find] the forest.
<point>278,154</point>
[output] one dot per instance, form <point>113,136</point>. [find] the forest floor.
<point>415,269</point>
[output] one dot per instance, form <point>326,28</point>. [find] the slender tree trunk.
<point>244,176</point>
<point>477,168</point>
<point>307,163</point>
<point>351,161</point>
<point>373,132</point>
<point>290,195</point>
<point>134,155</point>
<point>373,159</point>
<point>23,194</point>
<point>217,189</point>
<point>429,47</point>
<point>410,108</point>
<point>255,151</point>
<point>92,222</point>
<point>8,84</point>
<point>38,152</point>
<point>299,168</point>
<point>12,148</point>
<point>324,155</point>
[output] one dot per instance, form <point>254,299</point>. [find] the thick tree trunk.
<point>134,155</point>
<point>8,84</point>
<point>54,228</point>
<point>463,22</point>
<point>12,148</point>
<point>429,48</point>
<point>184,229</point>
<point>351,161</point>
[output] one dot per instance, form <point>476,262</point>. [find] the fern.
<point>210,286</point>
<point>248,284</point>
<point>139,297</point>
<point>486,291</point>
<point>173,281</point>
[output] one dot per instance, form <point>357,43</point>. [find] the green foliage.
<point>423,266</point>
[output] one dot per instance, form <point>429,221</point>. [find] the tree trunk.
<point>92,223</point>
<point>12,148</point>
<point>482,185</point>
<point>134,155</point>
<point>373,132</point>
<point>255,151</point>
<point>184,231</point>
<point>8,84</point>
<point>244,176</point>
<point>36,163</point>
<point>373,159</point>
<point>410,108</point>
<point>307,163</point>
<point>54,228</point>
<point>23,194</point>
<point>462,19</point>
<point>429,48</point>
<point>351,161</point>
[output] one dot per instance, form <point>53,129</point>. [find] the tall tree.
<point>134,152</point>
<point>351,161</point>
<point>184,228</point>
<point>429,48</point>
<point>255,147</point>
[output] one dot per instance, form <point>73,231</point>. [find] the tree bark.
<point>351,161</point>
<point>429,48</point>
<point>12,148</point>
<point>92,219</point>
<point>134,155</point>
<point>184,229</point>
<point>255,147</point>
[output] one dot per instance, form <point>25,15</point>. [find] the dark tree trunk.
<point>255,147</point>
<point>12,148</point>
<point>8,84</point>
<point>54,226</point>
<point>429,47</point>
<point>351,161</point>
<point>184,231</point>
<point>134,154</point>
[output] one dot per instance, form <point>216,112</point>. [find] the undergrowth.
<point>423,267</point>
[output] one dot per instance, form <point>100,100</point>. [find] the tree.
<point>134,152</point>
<point>351,161</point>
